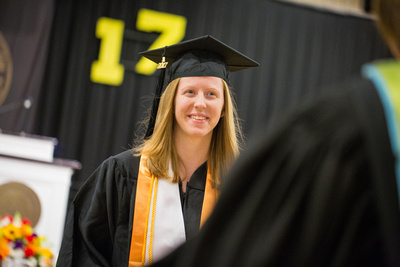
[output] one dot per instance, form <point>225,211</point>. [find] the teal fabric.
<point>386,77</point>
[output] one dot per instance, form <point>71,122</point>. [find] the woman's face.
<point>198,106</point>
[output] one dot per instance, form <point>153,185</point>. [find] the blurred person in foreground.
<point>319,187</point>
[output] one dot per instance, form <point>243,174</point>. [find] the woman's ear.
<point>222,114</point>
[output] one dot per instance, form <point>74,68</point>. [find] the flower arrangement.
<point>20,245</point>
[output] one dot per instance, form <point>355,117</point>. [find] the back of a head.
<point>311,190</point>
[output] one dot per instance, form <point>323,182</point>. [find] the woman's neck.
<point>193,152</point>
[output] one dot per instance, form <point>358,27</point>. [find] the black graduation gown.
<point>98,228</point>
<point>316,188</point>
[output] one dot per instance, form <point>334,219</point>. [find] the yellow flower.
<point>45,252</point>
<point>11,232</point>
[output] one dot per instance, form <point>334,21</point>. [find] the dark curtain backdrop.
<point>25,25</point>
<point>299,49</point>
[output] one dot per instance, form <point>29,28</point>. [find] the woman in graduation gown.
<point>319,187</point>
<point>141,204</point>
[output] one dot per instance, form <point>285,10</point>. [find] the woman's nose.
<point>200,101</point>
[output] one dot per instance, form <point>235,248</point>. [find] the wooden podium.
<point>35,184</point>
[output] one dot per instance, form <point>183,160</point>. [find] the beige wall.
<point>354,7</point>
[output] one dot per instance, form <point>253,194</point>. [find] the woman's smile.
<point>198,117</point>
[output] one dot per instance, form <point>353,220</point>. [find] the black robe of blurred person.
<point>316,188</point>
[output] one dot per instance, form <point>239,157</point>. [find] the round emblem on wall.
<point>18,197</point>
<point>6,69</point>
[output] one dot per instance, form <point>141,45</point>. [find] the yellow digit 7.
<point>107,69</point>
<point>172,29</point>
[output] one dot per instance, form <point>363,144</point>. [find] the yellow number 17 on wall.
<point>107,69</point>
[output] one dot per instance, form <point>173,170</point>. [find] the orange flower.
<point>26,230</point>
<point>4,249</point>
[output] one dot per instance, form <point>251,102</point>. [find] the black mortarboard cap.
<point>202,56</point>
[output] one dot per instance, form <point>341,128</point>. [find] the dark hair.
<point>388,21</point>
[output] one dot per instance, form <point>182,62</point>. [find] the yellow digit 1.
<point>172,29</point>
<point>107,69</point>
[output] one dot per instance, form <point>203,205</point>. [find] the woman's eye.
<point>189,92</point>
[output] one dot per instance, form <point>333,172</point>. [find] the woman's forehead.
<point>201,81</point>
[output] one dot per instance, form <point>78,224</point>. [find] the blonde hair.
<point>225,143</point>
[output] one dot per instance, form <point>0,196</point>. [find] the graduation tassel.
<point>162,66</point>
